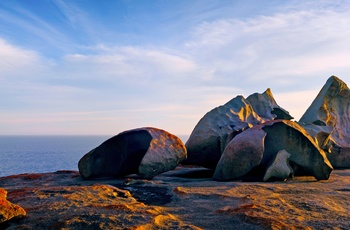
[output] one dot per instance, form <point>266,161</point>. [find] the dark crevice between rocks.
<point>150,195</point>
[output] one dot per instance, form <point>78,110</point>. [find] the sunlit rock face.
<point>144,151</point>
<point>9,211</point>
<point>279,167</point>
<point>328,121</point>
<point>254,151</point>
<point>218,127</point>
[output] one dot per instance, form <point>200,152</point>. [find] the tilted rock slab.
<point>9,211</point>
<point>306,156</point>
<point>144,151</point>
<point>328,121</point>
<point>218,127</point>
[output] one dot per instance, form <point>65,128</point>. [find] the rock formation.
<point>328,121</point>
<point>9,211</point>
<point>185,198</point>
<point>279,167</point>
<point>241,155</point>
<point>144,151</point>
<point>306,156</point>
<point>218,127</point>
<point>266,107</point>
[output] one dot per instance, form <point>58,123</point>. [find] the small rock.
<point>279,167</point>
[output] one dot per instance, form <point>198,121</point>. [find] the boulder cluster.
<point>245,138</point>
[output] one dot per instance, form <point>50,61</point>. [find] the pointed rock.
<point>266,107</point>
<point>216,129</point>
<point>328,121</point>
<point>144,151</point>
<point>279,167</point>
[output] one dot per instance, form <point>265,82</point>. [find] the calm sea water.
<point>38,154</point>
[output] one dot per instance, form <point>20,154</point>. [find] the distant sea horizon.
<point>46,153</point>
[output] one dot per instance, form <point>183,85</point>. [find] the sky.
<point>93,67</point>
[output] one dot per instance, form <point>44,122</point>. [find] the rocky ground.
<point>185,198</point>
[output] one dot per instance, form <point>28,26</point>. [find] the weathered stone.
<point>328,121</point>
<point>266,107</point>
<point>279,167</point>
<point>241,155</point>
<point>165,152</point>
<point>9,211</point>
<point>219,126</point>
<point>216,129</point>
<point>305,153</point>
<point>148,151</point>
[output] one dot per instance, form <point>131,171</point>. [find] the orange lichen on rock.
<point>9,210</point>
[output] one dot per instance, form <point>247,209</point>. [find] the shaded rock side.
<point>241,155</point>
<point>146,150</point>
<point>216,129</point>
<point>306,156</point>
<point>328,121</point>
<point>266,107</point>
<point>9,211</point>
<point>279,167</point>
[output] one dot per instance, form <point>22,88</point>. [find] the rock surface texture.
<point>144,151</point>
<point>9,211</point>
<point>219,126</point>
<point>328,121</point>
<point>255,149</point>
<point>184,198</point>
<point>241,155</point>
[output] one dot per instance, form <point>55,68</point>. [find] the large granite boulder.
<point>328,121</point>
<point>305,155</point>
<point>241,155</point>
<point>144,151</point>
<point>218,127</point>
<point>9,211</point>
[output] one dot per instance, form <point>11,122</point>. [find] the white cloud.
<point>17,61</point>
<point>301,44</point>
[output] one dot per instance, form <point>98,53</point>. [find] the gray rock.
<point>219,126</point>
<point>241,155</point>
<point>216,129</point>
<point>266,107</point>
<point>305,153</point>
<point>250,153</point>
<point>328,121</point>
<point>148,151</point>
<point>279,167</point>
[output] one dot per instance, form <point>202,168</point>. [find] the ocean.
<point>40,154</point>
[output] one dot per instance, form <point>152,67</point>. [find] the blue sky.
<point>102,67</point>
